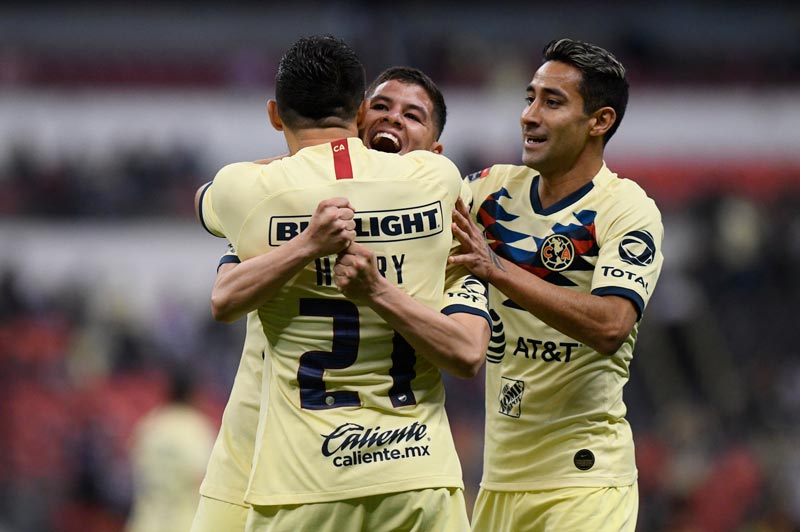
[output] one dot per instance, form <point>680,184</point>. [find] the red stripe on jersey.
<point>341,159</point>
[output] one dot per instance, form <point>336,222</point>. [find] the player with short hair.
<point>407,107</point>
<point>573,256</point>
<point>406,112</point>
<point>353,410</point>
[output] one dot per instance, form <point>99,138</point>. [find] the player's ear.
<point>437,147</point>
<point>361,114</point>
<point>274,117</point>
<point>601,121</point>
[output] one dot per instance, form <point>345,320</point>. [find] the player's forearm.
<point>253,282</point>
<point>445,341</point>
<point>603,323</point>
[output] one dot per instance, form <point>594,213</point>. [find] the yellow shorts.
<point>214,515</point>
<point>436,509</point>
<point>559,510</point>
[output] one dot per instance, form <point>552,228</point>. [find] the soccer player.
<point>169,452</point>
<point>406,112</point>
<point>353,410</point>
<point>573,256</point>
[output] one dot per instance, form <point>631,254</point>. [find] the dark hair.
<point>604,83</point>
<point>414,76</point>
<point>320,83</point>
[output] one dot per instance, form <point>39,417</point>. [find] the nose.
<point>393,116</point>
<point>530,114</point>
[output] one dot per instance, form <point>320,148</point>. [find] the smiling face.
<point>400,119</point>
<point>555,128</point>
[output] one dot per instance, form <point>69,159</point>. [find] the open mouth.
<point>535,140</point>
<point>385,142</point>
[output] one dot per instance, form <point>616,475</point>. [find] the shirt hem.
<point>541,485</point>
<point>256,498</point>
<point>223,494</point>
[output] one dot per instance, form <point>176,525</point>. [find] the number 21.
<point>343,353</point>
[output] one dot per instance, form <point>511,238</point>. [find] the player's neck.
<point>556,185</point>
<point>303,138</point>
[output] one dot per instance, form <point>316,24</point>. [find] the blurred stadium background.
<point>112,115</point>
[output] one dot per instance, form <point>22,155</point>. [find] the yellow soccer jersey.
<point>554,411</point>
<point>351,411</point>
<point>170,450</point>
<point>229,467</point>
<point>231,459</point>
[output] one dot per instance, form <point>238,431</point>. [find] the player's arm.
<point>601,322</point>
<point>240,288</point>
<point>456,343</point>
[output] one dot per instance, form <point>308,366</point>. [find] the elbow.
<point>221,310</point>
<point>609,342</point>
<point>469,365</point>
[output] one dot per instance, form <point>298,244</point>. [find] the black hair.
<point>320,83</point>
<point>604,83</point>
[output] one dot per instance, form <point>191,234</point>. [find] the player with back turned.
<point>354,407</point>
<point>406,112</point>
<point>573,256</point>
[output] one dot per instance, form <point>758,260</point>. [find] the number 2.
<point>343,353</point>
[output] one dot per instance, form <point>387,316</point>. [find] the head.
<point>320,84</point>
<point>406,111</point>
<point>577,98</point>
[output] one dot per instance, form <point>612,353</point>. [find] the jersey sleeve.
<point>228,199</point>
<point>630,254</point>
<point>230,257</point>
<point>208,218</point>
<point>464,293</point>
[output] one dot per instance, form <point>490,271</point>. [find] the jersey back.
<point>351,410</point>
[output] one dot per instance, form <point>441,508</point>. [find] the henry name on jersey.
<point>409,223</point>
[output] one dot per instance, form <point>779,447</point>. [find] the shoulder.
<point>501,172</point>
<point>625,194</point>
<point>431,159</point>
<point>499,176</point>
<point>237,171</point>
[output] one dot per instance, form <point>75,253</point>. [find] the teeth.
<point>383,141</point>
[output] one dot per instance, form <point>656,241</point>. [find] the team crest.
<point>511,397</point>
<point>557,252</point>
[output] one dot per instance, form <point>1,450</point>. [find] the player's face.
<point>400,119</point>
<point>555,130</point>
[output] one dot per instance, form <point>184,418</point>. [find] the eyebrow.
<point>548,90</point>
<point>412,106</point>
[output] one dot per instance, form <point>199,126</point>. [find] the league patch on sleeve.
<point>637,248</point>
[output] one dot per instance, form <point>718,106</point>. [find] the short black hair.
<point>320,83</point>
<point>604,83</point>
<point>414,76</point>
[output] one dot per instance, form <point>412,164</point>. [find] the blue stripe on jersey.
<point>560,204</point>
<point>227,259</point>
<point>635,298</point>
<point>200,208</point>
<point>464,309</point>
